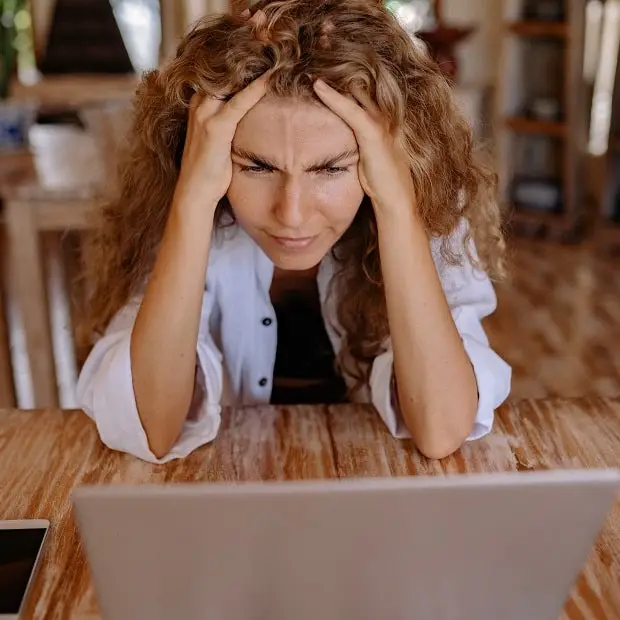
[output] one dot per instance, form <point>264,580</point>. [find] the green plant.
<point>9,9</point>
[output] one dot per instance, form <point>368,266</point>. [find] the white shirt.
<point>236,349</point>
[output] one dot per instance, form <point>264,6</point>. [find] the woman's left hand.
<point>425,340</point>
<point>384,170</point>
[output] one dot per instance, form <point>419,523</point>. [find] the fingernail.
<point>259,18</point>
<point>320,84</point>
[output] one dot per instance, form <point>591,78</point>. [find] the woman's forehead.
<point>275,119</point>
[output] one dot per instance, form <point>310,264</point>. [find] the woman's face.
<point>295,187</point>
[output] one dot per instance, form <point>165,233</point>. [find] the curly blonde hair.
<point>349,44</point>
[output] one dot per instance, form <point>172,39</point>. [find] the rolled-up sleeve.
<point>105,390</point>
<point>471,298</point>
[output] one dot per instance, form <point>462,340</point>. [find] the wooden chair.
<point>14,168</point>
<point>7,389</point>
<point>30,211</point>
<point>33,211</point>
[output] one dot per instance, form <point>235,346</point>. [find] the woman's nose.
<point>289,207</point>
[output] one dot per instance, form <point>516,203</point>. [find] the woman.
<point>301,220</point>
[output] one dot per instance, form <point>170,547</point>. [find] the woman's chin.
<point>295,257</point>
<point>295,262</point>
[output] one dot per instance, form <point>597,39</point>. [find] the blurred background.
<point>538,80</point>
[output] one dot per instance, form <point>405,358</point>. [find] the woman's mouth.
<point>294,243</point>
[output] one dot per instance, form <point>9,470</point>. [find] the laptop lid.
<point>483,546</point>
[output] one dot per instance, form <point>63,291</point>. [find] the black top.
<point>305,370</point>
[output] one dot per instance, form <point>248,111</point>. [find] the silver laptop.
<point>505,546</point>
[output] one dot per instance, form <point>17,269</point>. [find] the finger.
<point>239,105</point>
<point>366,102</point>
<point>372,108</point>
<point>203,106</point>
<point>349,111</point>
<point>208,107</point>
<point>195,101</point>
<point>259,19</point>
<point>201,110</point>
<point>327,27</point>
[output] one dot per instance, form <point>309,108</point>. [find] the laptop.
<point>496,546</point>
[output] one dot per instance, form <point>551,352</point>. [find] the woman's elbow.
<point>161,441</point>
<point>159,453</point>
<point>162,429</point>
<point>440,448</point>
<point>442,435</point>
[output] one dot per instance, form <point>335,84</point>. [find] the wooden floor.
<point>558,321</point>
<point>557,325</point>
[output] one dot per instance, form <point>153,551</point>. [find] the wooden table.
<point>44,455</point>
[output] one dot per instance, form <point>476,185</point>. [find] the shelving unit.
<point>531,28</point>
<point>607,228</point>
<point>605,131</point>
<point>541,120</point>
<point>519,124</point>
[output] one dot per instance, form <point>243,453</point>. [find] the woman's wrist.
<point>189,227</point>
<point>194,202</point>
<point>399,218</point>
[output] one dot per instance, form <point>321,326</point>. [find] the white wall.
<point>479,54</point>
<point>195,9</point>
<point>478,57</point>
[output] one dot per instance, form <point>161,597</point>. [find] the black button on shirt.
<point>263,382</point>
<point>267,322</point>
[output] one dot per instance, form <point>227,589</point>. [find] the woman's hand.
<point>164,336</point>
<point>384,169</point>
<point>206,167</point>
<point>428,349</point>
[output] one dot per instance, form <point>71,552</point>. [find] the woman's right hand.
<point>206,166</point>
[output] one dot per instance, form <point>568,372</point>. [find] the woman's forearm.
<point>436,384</point>
<point>435,380</point>
<point>163,341</point>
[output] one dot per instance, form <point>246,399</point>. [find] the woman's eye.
<point>333,171</point>
<point>254,169</point>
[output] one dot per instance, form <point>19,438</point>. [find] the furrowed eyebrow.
<point>257,160</point>
<point>263,162</point>
<point>332,162</point>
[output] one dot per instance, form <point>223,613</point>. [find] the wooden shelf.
<point>608,233</point>
<point>538,128</point>
<point>531,216</point>
<point>558,30</point>
<point>558,226</point>
<point>75,90</point>
<point>610,225</point>
<point>526,62</point>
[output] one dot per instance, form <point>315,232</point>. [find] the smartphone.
<point>21,546</point>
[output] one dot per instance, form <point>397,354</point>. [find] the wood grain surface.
<point>46,454</point>
<point>557,322</point>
